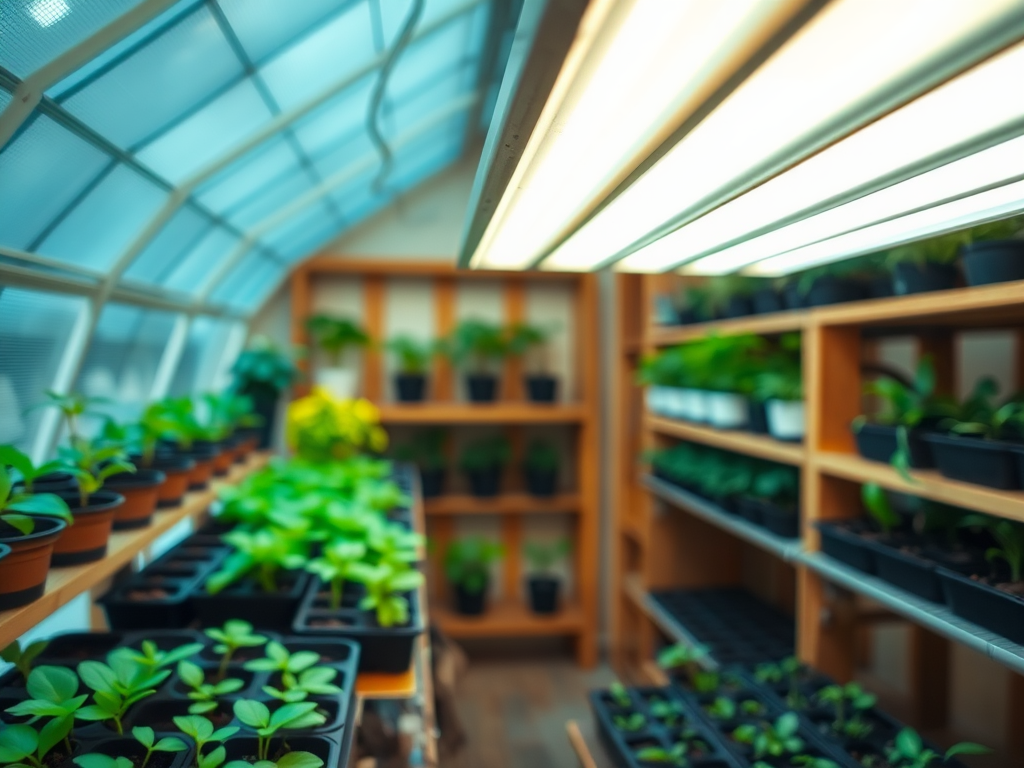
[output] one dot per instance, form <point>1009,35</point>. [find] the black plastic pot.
<point>993,261</point>
<point>910,278</point>
<point>384,649</point>
<point>470,603</point>
<point>843,542</point>
<point>749,509</point>
<point>245,600</point>
<point>757,420</point>
<point>264,405</point>
<point>543,593</point>
<point>829,289</point>
<point>52,482</point>
<point>540,482</point>
<point>687,316</point>
<point>906,570</point>
<point>991,608</point>
<point>878,442</point>
<point>541,388</point>
<point>766,300</point>
<point>780,520</point>
<point>410,387</point>
<point>481,387</point>
<point>738,306</point>
<point>484,482</point>
<point>432,482</point>
<point>991,463</point>
<point>879,287</point>
<point>792,298</point>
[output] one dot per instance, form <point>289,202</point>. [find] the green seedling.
<point>668,712</point>
<point>386,587</point>
<point>278,659</point>
<point>233,635</point>
<point>909,751</point>
<point>334,566</point>
<point>630,723</point>
<point>117,686</point>
<point>786,670</point>
<point>620,696</point>
<point>847,702</point>
<point>22,658</point>
<point>21,746</point>
<point>97,760</point>
<point>752,708</point>
<point>876,502</point>
<point>1009,536</point>
<point>17,508</point>
<point>54,694</point>
<point>262,554</point>
<point>810,761</point>
<point>315,681</point>
<point>24,467</point>
<point>290,760</point>
<point>413,355</point>
<point>202,732</point>
<point>152,658</point>
<point>676,755</point>
<point>772,739</point>
<point>204,695</point>
<point>722,708</point>
<point>71,407</point>
<point>145,736</point>
<point>687,659</point>
<point>293,716</point>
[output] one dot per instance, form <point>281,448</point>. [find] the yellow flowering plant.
<point>321,427</point>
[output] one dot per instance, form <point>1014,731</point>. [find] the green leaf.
<point>967,748</point>
<point>223,734</point>
<point>199,728</point>
<point>96,760</point>
<point>299,760</point>
<point>94,712</point>
<point>253,713</point>
<point>17,742</point>
<point>787,724</point>
<point>190,674</point>
<point>53,733</point>
<point>98,676</point>
<point>144,735</point>
<point>54,684</point>
<point>302,660</point>
<point>908,742</point>
<point>170,744</point>
<point>214,759</point>
<point>42,504</point>
<point>23,523</point>
<point>290,712</point>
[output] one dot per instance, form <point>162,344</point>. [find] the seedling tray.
<point>736,626</point>
<point>384,649</point>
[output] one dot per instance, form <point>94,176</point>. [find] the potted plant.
<point>483,461</point>
<point>467,565</point>
<point>140,489</point>
<point>782,392</point>
<point>540,468</point>
<point>321,428</point>
<point>724,367</point>
<point>929,265</point>
<point>476,346</point>
<point>994,252</point>
<point>426,449</point>
<point>530,342</point>
<point>776,488</point>
<point>731,296</point>
<point>335,336</point>
<point>541,584</point>
<point>29,527</point>
<point>185,437</point>
<point>413,358</point>
<point>848,540</point>
<point>837,282</point>
<point>262,372</point>
<point>694,305</point>
<point>143,439</point>
<point>665,374</point>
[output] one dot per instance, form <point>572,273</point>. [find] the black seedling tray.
<point>736,627</point>
<point>622,746</point>
<point>245,600</point>
<point>384,649</point>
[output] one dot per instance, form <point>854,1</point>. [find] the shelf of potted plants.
<point>503,412</point>
<point>762,446</point>
<point>504,504</point>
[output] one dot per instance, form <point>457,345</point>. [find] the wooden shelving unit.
<point>65,584</point>
<point>668,538</point>
<point>508,616</point>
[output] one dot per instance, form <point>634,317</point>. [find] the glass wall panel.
<point>163,254</point>
<point>274,159</point>
<point>265,26</point>
<point>210,350</point>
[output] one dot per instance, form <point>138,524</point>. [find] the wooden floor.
<point>514,712</point>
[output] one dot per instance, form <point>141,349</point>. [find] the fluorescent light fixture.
<point>852,62</point>
<point>958,214</point>
<point>635,67</point>
<point>46,13</point>
<point>953,115</point>
<point>989,168</point>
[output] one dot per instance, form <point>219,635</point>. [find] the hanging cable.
<point>377,100</point>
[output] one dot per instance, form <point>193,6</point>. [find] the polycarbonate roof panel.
<point>312,224</point>
<point>43,171</point>
<point>203,258</point>
<point>165,251</point>
<point>251,276</point>
<point>34,32</point>
<point>100,228</point>
<point>340,117</point>
<point>394,12</point>
<point>252,172</point>
<point>266,26</point>
<point>355,153</point>
<point>159,83</point>
<point>266,201</point>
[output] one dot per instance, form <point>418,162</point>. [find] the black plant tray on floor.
<point>384,649</point>
<point>736,627</point>
<point>622,745</point>
<point>331,741</point>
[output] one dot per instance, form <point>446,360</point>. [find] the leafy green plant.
<point>261,554</point>
<point>24,467</point>
<point>92,463</point>
<point>299,675</point>
<point>808,761</point>
<point>909,751</point>
<point>722,708</point>
<point>775,483</point>
<point>413,355</point>
<point>630,723</point>
<point>53,693</point>
<point>289,760</point>
<point>315,681</point>
<point>233,635</point>
<point>688,660</point>
<point>524,338</point>
<point>485,453</point>
<point>473,344</point>
<point>22,658</point>
<point>787,670</point>
<point>772,739</point>
<point>336,564</point>
<point>542,556</point>
<point>147,738</point>
<point>620,695</point>
<point>876,502</point>
<point>1009,536</point>
<point>292,716</point>
<point>152,658</point>
<point>847,702</point>
<point>541,456</point>
<point>386,586</point>
<point>22,746</point>
<point>668,712</point>
<point>262,368</point>
<point>426,449</point>
<point>72,407</point>
<point>204,695</point>
<point>202,732</point>
<point>116,686</point>
<point>675,755</point>
<point>467,562</point>
<point>17,507</point>
<point>336,334</point>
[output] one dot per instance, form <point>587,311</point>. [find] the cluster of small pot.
<point>175,703</point>
<point>779,714</point>
<point>762,492</point>
<point>63,512</point>
<point>730,382</point>
<point>476,346</point>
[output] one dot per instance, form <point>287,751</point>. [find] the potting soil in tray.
<point>736,626</point>
<point>665,718</point>
<point>330,741</point>
<point>384,649</point>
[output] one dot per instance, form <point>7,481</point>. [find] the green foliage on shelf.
<point>542,455</point>
<point>543,555</point>
<point>425,449</point>
<point>262,368</point>
<point>334,335</point>
<point>413,355</point>
<point>473,344</point>
<point>467,562</point>
<point>486,453</point>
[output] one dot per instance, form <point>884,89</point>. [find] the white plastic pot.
<point>342,383</point>
<point>656,397</point>
<point>785,419</point>
<point>693,405</point>
<point>727,410</point>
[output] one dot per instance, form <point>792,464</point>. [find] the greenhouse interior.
<point>511,383</point>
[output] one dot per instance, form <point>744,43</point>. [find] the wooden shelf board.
<point>505,504</point>
<point>928,484</point>
<point>482,413</point>
<point>786,549</point>
<point>748,443</point>
<point>506,618</point>
<point>776,322</point>
<point>65,584</point>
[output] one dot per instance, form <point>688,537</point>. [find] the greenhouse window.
<point>210,347</point>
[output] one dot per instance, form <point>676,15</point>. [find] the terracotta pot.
<point>177,471</point>
<point>24,568</point>
<point>223,461</point>
<point>141,490</point>
<point>86,539</point>
<point>203,454</point>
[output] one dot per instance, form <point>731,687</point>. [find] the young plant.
<point>722,708</point>
<point>204,695</point>
<point>289,760</point>
<point>233,635</point>
<point>630,723</point>
<point>22,658</point>
<point>542,556</point>
<point>116,686</point>
<point>22,746</point>
<point>848,701</point>
<point>675,755</point>
<point>147,738</point>
<point>687,660</point>
<point>262,368</point>
<point>1009,536</point>
<point>315,681</point>
<point>620,695</point>
<point>413,355</point>
<point>293,716</point>
<point>876,502</point>
<point>808,761</point>
<point>289,665</point>
<point>54,694</point>
<point>541,456</point>
<point>909,751</point>
<point>17,508</point>
<point>467,562</point>
<point>72,407</point>
<point>524,338</point>
<point>772,740</point>
<point>92,463</point>
<point>336,334</point>
<point>475,343</point>
<point>151,658</point>
<point>485,454</point>
<point>788,670</point>
<point>335,566</point>
<point>386,586</point>
<point>26,470</point>
<point>202,733</point>
<point>668,712</point>
<point>262,554</point>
